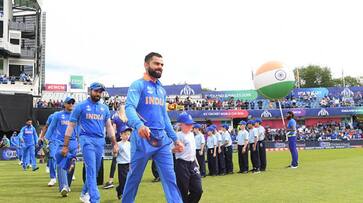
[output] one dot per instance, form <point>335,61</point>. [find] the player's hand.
<point>200,153</point>
<point>254,147</point>
<point>144,132</point>
<point>179,146</point>
<point>243,150</point>
<point>214,154</point>
<point>219,150</point>
<point>64,151</point>
<point>115,150</point>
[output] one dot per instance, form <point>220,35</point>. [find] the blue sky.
<point>215,43</point>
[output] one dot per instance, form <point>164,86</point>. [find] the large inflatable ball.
<point>273,80</point>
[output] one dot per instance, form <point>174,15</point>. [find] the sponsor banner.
<point>8,153</point>
<point>55,87</point>
<point>212,114</point>
<point>244,95</point>
<point>76,82</point>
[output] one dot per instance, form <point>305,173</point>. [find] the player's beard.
<point>153,73</point>
<point>288,117</point>
<point>95,98</point>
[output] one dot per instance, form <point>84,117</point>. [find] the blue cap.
<point>68,99</point>
<point>213,126</point>
<point>124,128</point>
<point>225,126</point>
<point>197,125</point>
<point>258,120</point>
<point>243,123</point>
<point>252,122</point>
<point>97,86</point>
<point>185,118</point>
<point>210,129</point>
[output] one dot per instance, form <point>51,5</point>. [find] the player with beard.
<point>146,113</point>
<point>92,118</point>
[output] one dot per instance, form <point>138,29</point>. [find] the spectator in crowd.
<point>5,142</point>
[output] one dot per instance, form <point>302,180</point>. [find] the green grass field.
<point>323,176</point>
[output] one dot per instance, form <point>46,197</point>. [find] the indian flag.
<point>273,80</point>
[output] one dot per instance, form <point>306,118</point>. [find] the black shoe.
<point>156,180</point>
<point>240,172</point>
<point>108,185</point>
<point>36,168</point>
<point>256,171</point>
<point>119,195</point>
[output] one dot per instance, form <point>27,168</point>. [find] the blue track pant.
<point>51,161</point>
<point>293,150</point>
<point>19,153</point>
<point>92,150</point>
<point>29,156</point>
<point>65,178</point>
<point>141,152</point>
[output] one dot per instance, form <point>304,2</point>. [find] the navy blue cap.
<point>68,99</point>
<point>258,120</point>
<point>243,123</point>
<point>225,126</point>
<point>97,86</point>
<point>124,128</point>
<point>185,118</point>
<point>252,122</point>
<point>197,125</point>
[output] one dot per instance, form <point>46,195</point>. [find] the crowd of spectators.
<point>306,100</point>
<point>24,77</point>
<point>319,132</point>
<point>49,104</point>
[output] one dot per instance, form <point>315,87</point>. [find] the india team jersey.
<point>91,118</point>
<point>145,105</point>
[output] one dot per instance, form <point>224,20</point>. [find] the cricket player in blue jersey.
<point>291,136</point>
<point>15,142</point>
<point>49,135</point>
<point>146,113</point>
<point>55,133</point>
<point>28,136</point>
<point>92,118</point>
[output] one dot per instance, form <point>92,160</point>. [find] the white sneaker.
<point>20,163</point>
<point>294,167</point>
<point>47,170</point>
<point>52,182</point>
<point>85,198</point>
<point>64,192</point>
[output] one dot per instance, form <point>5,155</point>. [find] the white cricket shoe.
<point>85,198</point>
<point>64,192</point>
<point>52,182</point>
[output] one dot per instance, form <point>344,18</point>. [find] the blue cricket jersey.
<point>49,135</point>
<point>59,126</point>
<point>291,125</point>
<point>29,135</point>
<point>146,105</point>
<point>91,118</point>
<point>14,141</point>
